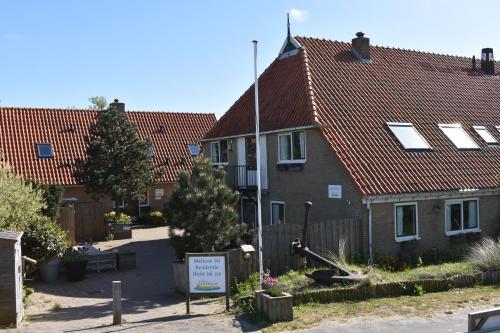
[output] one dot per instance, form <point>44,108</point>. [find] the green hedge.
<point>390,289</point>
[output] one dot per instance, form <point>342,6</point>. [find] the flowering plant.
<point>122,218</point>
<point>271,286</point>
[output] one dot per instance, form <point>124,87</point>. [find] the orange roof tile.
<point>22,128</point>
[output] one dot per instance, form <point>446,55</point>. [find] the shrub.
<point>202,215</point>
<point>122,218</point>
<point>418,290</point>
<point>272,286</point>
<point>157,218</point>
<point>52,195</point>
<point>485,255</point>
<point>43,239</point>
<point>244,296</point>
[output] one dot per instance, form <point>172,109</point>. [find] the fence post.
<point>117,302</point>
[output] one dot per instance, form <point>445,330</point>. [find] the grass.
<point>56,307</point>
<point>308,315</point>
<point>295,281</point>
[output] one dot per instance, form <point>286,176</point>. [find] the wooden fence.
<point>323,237</point>
<point>66,220</point>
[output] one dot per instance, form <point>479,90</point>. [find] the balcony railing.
<point>241,176</point>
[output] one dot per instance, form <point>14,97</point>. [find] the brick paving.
<point>149,301</point>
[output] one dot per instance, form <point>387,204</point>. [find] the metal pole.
<point>257,145</point>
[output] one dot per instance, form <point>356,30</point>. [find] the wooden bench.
<point>101,260</point>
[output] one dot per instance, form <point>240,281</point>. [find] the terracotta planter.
<point>275,309</point>
<point>121,230</point>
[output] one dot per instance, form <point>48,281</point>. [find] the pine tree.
<point>202,215</point>
<point>118,162</point>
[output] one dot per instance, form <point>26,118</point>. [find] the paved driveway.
<point>150,303</point>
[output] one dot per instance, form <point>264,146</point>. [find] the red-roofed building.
<point>405,141</point>
<point>26,133</point>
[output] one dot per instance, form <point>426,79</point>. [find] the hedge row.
<point>389,289</point>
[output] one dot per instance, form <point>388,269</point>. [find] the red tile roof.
<point>352,102</point>
<point>22,128</point>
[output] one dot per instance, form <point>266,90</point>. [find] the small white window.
<point>292,147</point>
<point>458,136</point>
<point>194,149</point>
<point>45,150</point>
<point>406,221</point>
<point>277,212</point>
<point>462,216</point>
<point>408,136</point>
<point>218,152</point>
<point>485,135</point>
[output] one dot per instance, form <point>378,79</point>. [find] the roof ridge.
<point>390,48</point>
<point>27,108</point>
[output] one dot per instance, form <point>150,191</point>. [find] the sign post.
<point>207,275</point>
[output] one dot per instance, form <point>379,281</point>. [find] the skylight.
<point>408,136</point>
<point>44,150</point>
<point>483,133</point>
<point>152,152</point>
<point>498,128</point>
<point>458,136</point>
<point>194,149</point>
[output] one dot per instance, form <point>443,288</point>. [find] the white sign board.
<point>335,191</point>
<point>207,274</point>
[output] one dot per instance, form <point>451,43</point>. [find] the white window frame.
<point>147,201</point>
<point>478,130</point>
<point>406,238</point>
<point>443,126</point>
<point>393,124</point>
<point>271,211</point>
<point>220,153</point>
<point>462,230</point>
<point>303,160</point>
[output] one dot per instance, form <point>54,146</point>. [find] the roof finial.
<point>288,25</point>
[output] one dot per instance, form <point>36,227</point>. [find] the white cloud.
<point>298,14</point>
<point>13,36</point>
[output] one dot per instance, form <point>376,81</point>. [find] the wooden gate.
<point>66,220</point>
<point>89,221</point>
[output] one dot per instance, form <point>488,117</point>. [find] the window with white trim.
<point>218,152</point>
<point>277,212</point>
<point>408,136</point>
<point>485,135</point>
<point>292,147</point>
<point>406,221</point>
<point>462,215</point>
<point>458,136</point>
<point>144,201</point>
<point>45,150</point>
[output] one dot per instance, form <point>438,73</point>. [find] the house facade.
<point>43,145</point>
<point>406,142</point>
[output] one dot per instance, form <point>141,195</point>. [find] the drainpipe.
<point>370,232</point>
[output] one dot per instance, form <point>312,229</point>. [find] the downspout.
<point>370,232</point>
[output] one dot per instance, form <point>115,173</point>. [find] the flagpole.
<point>257,145</point>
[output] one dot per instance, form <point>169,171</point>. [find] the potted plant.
<point>75,261</point>
<point>272,302</point>
<point>119,225</point>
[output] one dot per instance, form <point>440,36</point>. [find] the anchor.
<point>335,273</point>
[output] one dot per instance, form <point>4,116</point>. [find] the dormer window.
<point>194,149</point>
<point>45,150</point>
<point>485,135</point>
<point>408,136</point>
<point>458,136</point>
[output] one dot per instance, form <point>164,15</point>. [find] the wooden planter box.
<point>275,309</point>
<point>491,277</point>
<point>126,260</point>
<point>121,230</point>
<point>180,277</point>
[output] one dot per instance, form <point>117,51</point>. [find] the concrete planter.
<point>120,230</point>
<point>180,277</point>
<point>275,309</point>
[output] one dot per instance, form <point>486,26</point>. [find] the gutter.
<point>370,232</point>
<point>263,132</point>
<point>402,197</point>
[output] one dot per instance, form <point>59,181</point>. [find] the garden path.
<point>150,303</point>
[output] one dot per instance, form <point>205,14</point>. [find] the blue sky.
<point>197,56</point>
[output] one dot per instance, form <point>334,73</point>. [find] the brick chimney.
<point>487,61</point>
<point>361,47</point>
<point>117,105</point>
